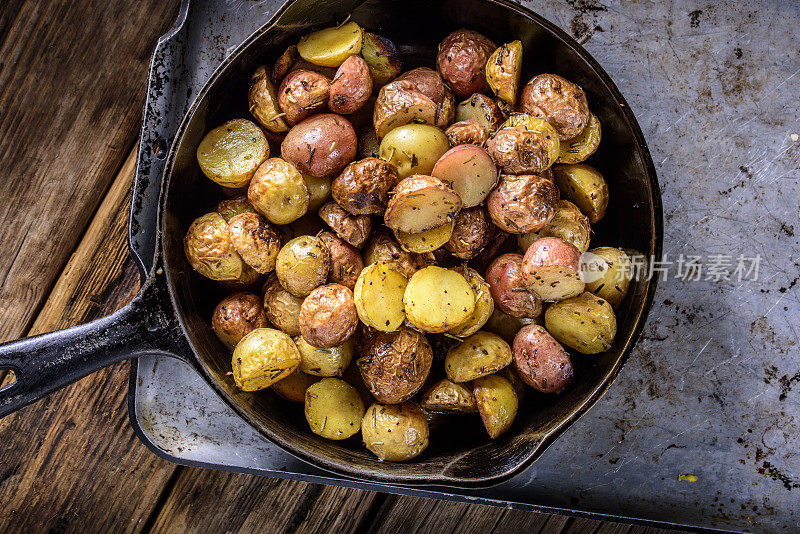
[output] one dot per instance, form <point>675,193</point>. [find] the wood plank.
<point>71,461</point>
<point>71,94</point>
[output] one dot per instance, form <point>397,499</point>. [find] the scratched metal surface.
<point>713,388</point>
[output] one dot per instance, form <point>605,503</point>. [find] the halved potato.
<point>426,241</point>
<point>479,355</point>
<point>469,171</point>
<point>482,109</point>
<point>438,299</point>
<point>503,69</point>
<point>263,357</point>
<point>585,187</point>
<point>484,304</point>
<point>448,396</point>
<point>497,403</point>
<point>585,323</point>
<point>551,269</point>
<point>608,273</point>
<point>331,46</point>
<point>568,224</point>
<point>413,148</point>
<point>580,147</point>
<point>231,153</point>
<point>334,409</point>
<point>544,129</point>
<point>379,297</point>
<point>420,203</point>
<point>383,58</point>
<point>263,102</point>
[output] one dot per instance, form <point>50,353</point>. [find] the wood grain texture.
<point>72,83</point>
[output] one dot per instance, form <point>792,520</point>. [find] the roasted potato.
<point>334,409</point>
<point>328,316</point>
<point>383,247</point>
<point>255,240</point>
<point>282,308</point>
<point>540,360</point>
<point>330,47</point>
<point>583,145</point>
<point>551,269</point>
<point>230,207</point>
<point>497,403</point>
<point>558,101</point>
<point>351,86</point>
<point>508,289</point>
<point>319,191</point>
<point>383,58</point>
<point>484,304</point>
<point>470,233</point>
<point>321,145</point>
<point>413,148</point>
<point>230,154</point>
<point>354,229</point>
<point>263,102</point>
<point>481,354</point>
<point>236,316</point>
<point>469,171</point>
<point>608,274</point>
<point>283,65</point>
<point>568,224</point>
<point>448,396</point>
<point>209,249</point>
<point>395,433</point>
<point>263,357</point>
<point>303,93</point>
<point>395,365</point>
<point>430,83</point>
<point>437,299</point>
<point>293,387</point>
<point>346,262</point>
<point>418,96</point>
<point>379,297</point>
<point>468,132</point>
<point>585,187</point>
<point>523,204</point>
<point>462,61</point>
<point>585,323</point>
<point>547,134</point>
<point>303,265</point>
<point>420,203</point>
<point>427,241</point>
<point>278,191</point>
<point>503,69</point>
<point>363,187</point>
<point>369,146</point>
<point>521,150</point>
<point>482,109</point>
<point>331,361</point>
<point>505,325</point>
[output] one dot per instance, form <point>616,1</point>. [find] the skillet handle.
<point>45,363</point>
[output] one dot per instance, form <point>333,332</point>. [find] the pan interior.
<point>460,453</point>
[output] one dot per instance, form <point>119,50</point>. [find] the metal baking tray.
<point>702,426</point>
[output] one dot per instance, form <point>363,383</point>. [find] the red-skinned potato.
<point>346,262</point>
<point>421,203</point>
<point>540,360</point>
<point>508,289</point>
<point>328,316</point>
<point>467,132</point>
<point>363,187</point>
<point>351,86</point>
<point>462,60</point>
<point>354,229</point>
<point>321,145</point>
<point>237,315</point>
<point>303,93</point>
<point>558,101</point>
<point>470,233</point>
<point>522,204</point>
<point>469,171</point>
<point>551,269</point>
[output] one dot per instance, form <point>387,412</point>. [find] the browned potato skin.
<point>468,132</point>
<point>518,150</point>
<point>290,60</point>
<point>462,61</point>
<point>230,207</point>
<point>508,290</point>
<point>396,364</point>
<point>346,262</point>
<point>328,316</point>
<point>411,186</point>
<point>448,396</point>
<point>351,86</point>
<point>354,229</point>
<point>470,233</point>
<point>282,308</point>
<point>429,83</point>
<point>321,145</point>
<point>259,96</point>
<point>490,110</point>
<point>364,185</point>
<point>237,315</point>
<point>255,240</point>
<point>419,95</point>
<point>558,101</point>
<point>522,204</point>
<point>383,247</point>
<point>540,360</point>
<point>386,59</point>
<point>303,93</point>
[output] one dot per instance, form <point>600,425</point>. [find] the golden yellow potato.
<point>478,355</point>
<point>319,191</point>
<point>413,148</point>
<point>334,409</point>
<point>580,147</point>
<point>503,69</point>
<point>303,265</point>
<point>278,191</point>
<point>448,396</point>
<point>568,224</point>
<point>610,274</point>
<point>425,241</point>
<point>396,432</point>
<point>546,133</point>
<point>585,323</point>
<point>583,186</point>
<point>293,387</point>
<point>331,46</point>
<point>382,57</point>
<point>383,247</point>
<point>263,102</point>
<point>497,403</point>
<point>379,297</point>
<point>231,153</point>
<point>438,299</point>
<point>324,362</point>
<point>231,207</point>
<point>209,249</point>
<point>255,240</point>
<point>505,325</point>
<point>484,304</point>
<point>263,357</point>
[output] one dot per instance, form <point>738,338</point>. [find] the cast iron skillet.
<point>170,315</point>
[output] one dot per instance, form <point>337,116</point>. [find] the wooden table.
<point>72,85</point>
